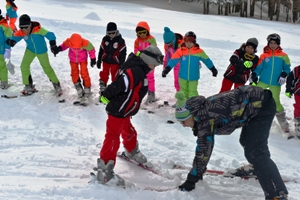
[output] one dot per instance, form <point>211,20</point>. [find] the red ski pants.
<point>84,73</point>
<point>114,128</point>
<point>297,106</point>
<point>106,69</point>
<point>227,84</point>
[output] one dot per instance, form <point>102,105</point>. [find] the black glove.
<point>214,71</point>
<point>187,186</point>
<point>99,64</point>
<point>53,47</point>
<point>166,70</point>
<point>56,49</point>
<point>93,62</point>
<point>254,78</point>
<point>11,43</point>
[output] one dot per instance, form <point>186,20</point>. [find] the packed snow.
<point>48,148</point>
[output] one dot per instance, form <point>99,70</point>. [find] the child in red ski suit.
<point>11,14</point>
<point>143,40</point>
<point>79,48</point>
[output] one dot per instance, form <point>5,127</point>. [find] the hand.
<point>248,64</point>
<point>281,80</point>
<point>93,62</point>
<point>166,70</point>
<point>288,94</point>
<point>214,71</point>
<point>253,79</point>
<point>7,53</point>
<point>104,100</point>
<point>187,186</point>
<point>55,49</point>
<point>99,64</point>
<point>10,42</point>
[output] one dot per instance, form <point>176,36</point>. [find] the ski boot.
<point>106,175</point>
<point>151,97</point>
<point>28,89</point>
<point>136,156</point>
<point>297,127</point>
<point>57,89</point>
<point>87,92</point>
<point>79,89</point>
<point>4,85</point>
<point>283,122</point>
<point>101,89</point>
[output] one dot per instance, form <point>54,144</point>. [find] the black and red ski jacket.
<point>112,51</point>
<point>128,90</point>
<point>293,81</point>
<point>236,71</point>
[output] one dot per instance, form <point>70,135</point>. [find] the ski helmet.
<point>190,34</point>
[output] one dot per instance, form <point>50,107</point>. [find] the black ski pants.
<point>254,139</point>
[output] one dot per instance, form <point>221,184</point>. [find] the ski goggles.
<point>159,58</point>
<point>273,36</point>
<point>111,32</point>
<point>24,27</point>
<point>142,32</point>
<point>189,39</point>
<point>248,56</point>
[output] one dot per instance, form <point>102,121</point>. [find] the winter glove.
<point>99,64</point>
<point>93,62</point>
<point>53,47</point>
<point>104,100</point>
<point>288,94</point>
<point>248,64</point>
<point>7,53</point>
<point>10,42</point>
<point>281,79</point>
<point>187,186</point>
<point>166,70</point>
<point>214,71</point>
<point>253,79</point>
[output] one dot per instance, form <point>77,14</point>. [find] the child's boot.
<point>282,121</point>
<point>297,127</point>
<point>79,89</point>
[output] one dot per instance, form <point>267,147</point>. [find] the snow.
<point>48,148</point>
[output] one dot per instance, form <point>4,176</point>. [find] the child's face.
<point>189,44</point>
<point>249,49</point>
<point>142,34</point>
<point>26,29</point>
<point>273,45</point>
<point>111,34</point>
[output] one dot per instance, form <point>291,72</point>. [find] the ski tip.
<point>290,137</point>
<point>170,122</point>
<point>61,101</point>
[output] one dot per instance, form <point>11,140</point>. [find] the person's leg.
<point>12,24</point>
<point>111,142</point>
<point>3,69</point>
<point>104,74</point>
<point>254,139</point>
<point>45,63</point>
<point>276,95</point>
<point>74,72</point>
<point>114,70</point>
<point>84,72</point>
<point>193,89</point>
<point>184,87</point>
<point>151,81</point>
<point>25,67</point>
<point>226,85</point>
<point>176,82</point>
<point>129,135</point>
<point>296,106</point>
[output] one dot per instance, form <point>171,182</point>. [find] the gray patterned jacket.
<point>221,114</point>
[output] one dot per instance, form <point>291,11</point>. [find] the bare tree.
<point>277,11</point>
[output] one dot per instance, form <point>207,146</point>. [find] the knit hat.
<point>111,26</point>
<point>24,20</point>
<point>152,55</point>
<point>252,42</point>
<point>75,41</point>
<point>168,35</point>
<point>181,113</point>
<point>275,37</point>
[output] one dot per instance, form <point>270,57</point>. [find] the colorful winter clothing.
<point>251,108</point>
<point>237,73</point>
<point>11,14</point>
<point>124,96</point>
<point>35,47</point>
<point>140,44</point>
<point>112,53</point>
<point>189,66</point>
<point>293,88</point>
<point>5,33</point>
<point>79,49</point>
<point>170,49</point>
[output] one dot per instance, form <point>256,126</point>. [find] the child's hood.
<point>144,25</point>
